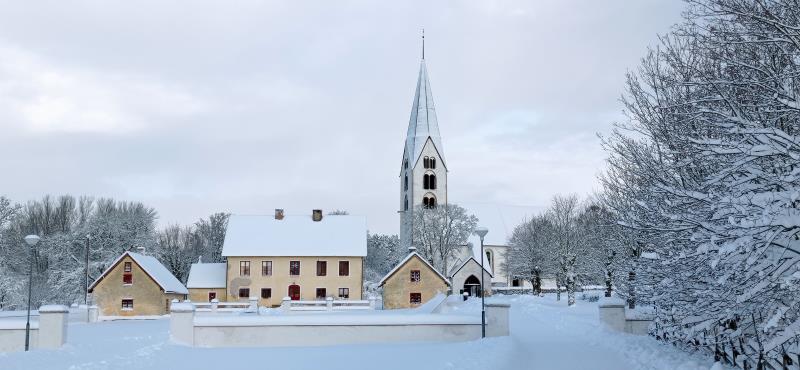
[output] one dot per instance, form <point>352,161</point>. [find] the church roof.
<point>423,123</point>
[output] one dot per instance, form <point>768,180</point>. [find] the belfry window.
<point>429,181</point>
<point>426,162</point>
<point>429,201</point>
<point>405,183</point>
<point>432,162</point>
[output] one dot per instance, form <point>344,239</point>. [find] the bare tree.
<point>438,233</point>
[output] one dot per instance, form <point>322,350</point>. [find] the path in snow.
<point>545,335</point>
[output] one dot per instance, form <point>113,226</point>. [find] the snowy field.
<point>545,335</point>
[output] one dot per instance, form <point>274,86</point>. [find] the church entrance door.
<point>472,286</point>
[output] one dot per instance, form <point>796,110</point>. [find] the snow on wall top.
<point>296,236</point>
<point>423,123</point>
<point>154,269</point>
<point>207,275</point>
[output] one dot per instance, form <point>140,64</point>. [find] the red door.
<point>294,292</point>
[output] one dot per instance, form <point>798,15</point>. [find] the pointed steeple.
<point>423,123</point>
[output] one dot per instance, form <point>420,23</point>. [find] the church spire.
<point>423,44</point>
<point>423,124</point>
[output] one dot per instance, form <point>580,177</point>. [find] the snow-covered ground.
<point>545,335</point>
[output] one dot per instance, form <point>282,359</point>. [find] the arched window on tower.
<point>426,184</point>
<point>405,204</point>
<point>432,181</point>
<point>426,162</point>
<point>405,183</point>
<point>432,162</point>
<point>429,201</point>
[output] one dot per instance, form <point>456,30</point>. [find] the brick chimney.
<point>316,215</point>
<point>279,213</point>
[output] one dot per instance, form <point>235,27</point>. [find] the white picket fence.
<point>328,304</point>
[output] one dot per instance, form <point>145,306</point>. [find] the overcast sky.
<point>194,107</point>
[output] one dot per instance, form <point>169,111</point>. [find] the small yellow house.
<point>412,283</point>
<point>207,281</point>
<point>136,285</point>
<point>303,257</point>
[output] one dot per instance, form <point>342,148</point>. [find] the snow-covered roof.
<point>207,275</point>
<point>423,123</point>
<point>296,236</point>
<point>153,268</point>
<point>501,220</point>
<point>404,261</point>
<point>461,266</point>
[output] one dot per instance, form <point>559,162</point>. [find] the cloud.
<point>47,98</point>
<point>201,107</point>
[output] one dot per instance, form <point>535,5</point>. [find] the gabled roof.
<point>404,261</point>
<point>422,124</point>
<point>485,267</point>
<point>153,268</point>
<point>207,275</point>
<point>296,236</point>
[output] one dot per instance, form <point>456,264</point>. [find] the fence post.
<point>253,307</point>
<point>286,304</point>
<point>52,326</point>
<point>94,314</point>
<point>371,302</point>
<point>329,303</point>
<point>214,305</point>
<point>181,323</point>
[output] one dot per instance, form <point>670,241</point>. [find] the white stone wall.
<point>48,330</point>
<point>323,330</point>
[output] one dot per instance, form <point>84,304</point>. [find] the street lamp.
<point>481,232</point>
<point>31,240</point>
<point>86,279</point>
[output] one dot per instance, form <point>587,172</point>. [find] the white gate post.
<point>181,323</point>
<point>612,312</point>
<point>53,326</point>
<point>497,319</point>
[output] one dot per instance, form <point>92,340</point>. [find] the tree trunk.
<point>571,289</point>
<point>558,288</point>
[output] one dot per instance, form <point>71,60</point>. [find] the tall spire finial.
<point>423,44</point>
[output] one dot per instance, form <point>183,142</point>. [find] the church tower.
<point>423,171</point>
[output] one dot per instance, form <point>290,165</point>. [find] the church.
<point>424,184</point>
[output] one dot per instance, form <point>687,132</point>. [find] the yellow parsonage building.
<point>303,257</point>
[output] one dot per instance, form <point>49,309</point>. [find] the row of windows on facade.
<point>428,201</point>
<point>266,293</point>
<point>294,268</point>
<point>427,162</point>
<point>127,304</point>
<point>428,182</point>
